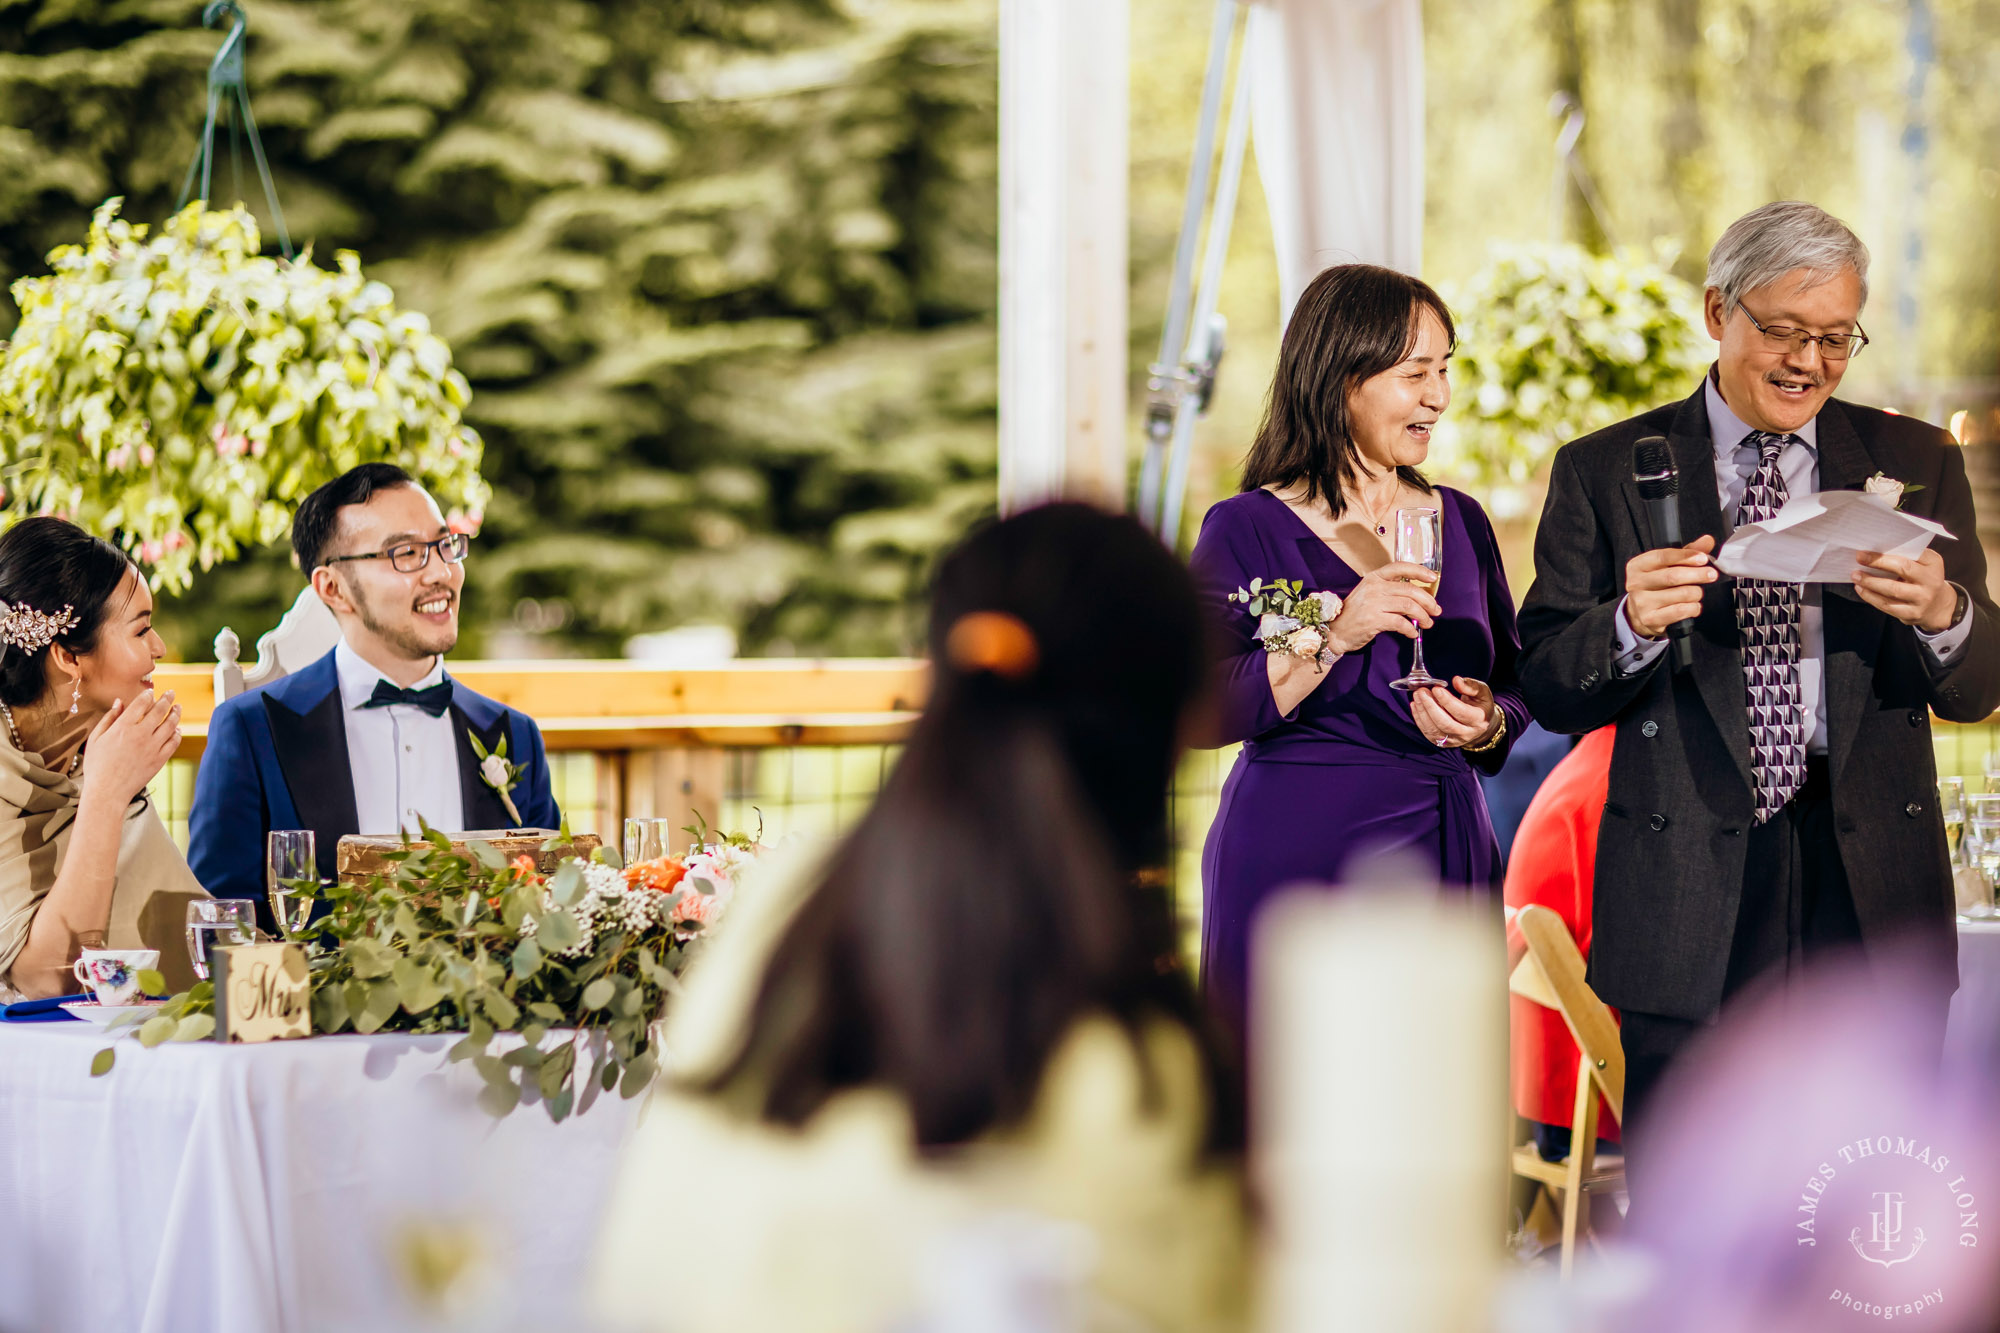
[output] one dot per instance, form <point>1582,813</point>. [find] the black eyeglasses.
<point>1832,346</point>
<point>409,557</point>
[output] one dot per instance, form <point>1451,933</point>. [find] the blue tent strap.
<point>225,74</point>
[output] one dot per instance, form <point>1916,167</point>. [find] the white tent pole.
<point>1064,153</point>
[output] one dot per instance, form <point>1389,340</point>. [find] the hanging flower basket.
<point>180,392</point>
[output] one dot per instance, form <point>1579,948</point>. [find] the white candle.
<point>1379,1060</point>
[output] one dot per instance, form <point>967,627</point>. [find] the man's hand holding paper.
<point>1850,537</point>
<point>1822,538</point>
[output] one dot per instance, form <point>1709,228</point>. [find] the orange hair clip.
<point>992,641</point>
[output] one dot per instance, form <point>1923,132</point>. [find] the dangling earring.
<point>75,694</point>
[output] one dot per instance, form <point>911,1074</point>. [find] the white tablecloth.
<point>269,1189</point>
<point>1975,1010</point>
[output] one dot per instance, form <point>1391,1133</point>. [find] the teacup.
<point>113,974</point>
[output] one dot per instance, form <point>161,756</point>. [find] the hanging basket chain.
<point>225,74</point>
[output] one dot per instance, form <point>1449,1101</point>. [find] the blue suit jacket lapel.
<point>309,736</point>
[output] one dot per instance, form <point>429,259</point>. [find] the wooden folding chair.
<point>1551,975</point>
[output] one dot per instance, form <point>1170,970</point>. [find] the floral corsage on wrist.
<point>497,773</point>
<point>1291,620</point>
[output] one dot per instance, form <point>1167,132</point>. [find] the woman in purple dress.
<point>1337,765</point>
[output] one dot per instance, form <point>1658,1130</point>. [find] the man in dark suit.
<point>1776,802</point>
<point>375,736</point>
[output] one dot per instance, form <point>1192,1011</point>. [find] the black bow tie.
<point>433,700</point>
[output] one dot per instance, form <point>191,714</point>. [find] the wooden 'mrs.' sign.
<point>261,993</point>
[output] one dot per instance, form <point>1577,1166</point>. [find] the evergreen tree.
<point>721,275</point>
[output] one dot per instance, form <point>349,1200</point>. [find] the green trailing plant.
<point>181,392</point>
<point>1555,342</point>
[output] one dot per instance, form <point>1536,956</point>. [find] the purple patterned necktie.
<point>1768,615</point>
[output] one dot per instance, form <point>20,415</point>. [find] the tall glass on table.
<point>291,878</point>
<point>1420,541</point>
<point>1982,846</point>
<point>213,922</point>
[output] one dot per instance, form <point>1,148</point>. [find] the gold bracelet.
<point>1499,734</point>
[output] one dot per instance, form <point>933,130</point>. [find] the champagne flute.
<point>648,840</point>
<point>1951,804</point>
<point>218,921</point>
<point>290,866</point>
<point>1420,541</point>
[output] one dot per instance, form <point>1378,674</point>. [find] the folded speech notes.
<point>1820,538</point>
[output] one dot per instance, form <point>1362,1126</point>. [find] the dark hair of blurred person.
<point>1005,884</point>
<point>1352,323</point>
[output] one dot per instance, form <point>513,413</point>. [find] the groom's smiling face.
<point>414,616</point>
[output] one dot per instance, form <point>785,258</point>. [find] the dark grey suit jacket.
<point>1670,851</point>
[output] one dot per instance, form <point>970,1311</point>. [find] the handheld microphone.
<point>1659,483</point>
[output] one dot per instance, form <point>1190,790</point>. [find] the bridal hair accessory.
<point>29,630</point>
<point>992,641</point>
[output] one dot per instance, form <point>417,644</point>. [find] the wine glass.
<point>290,866</point>
<point>1951,804</point>
<point>217,921</point>
<point>1420,541</point>
<point>648,840</point>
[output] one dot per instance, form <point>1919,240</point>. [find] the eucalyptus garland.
<point>578,962</point>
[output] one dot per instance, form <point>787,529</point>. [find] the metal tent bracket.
<point>1182,380</point>
<point>225,75</point>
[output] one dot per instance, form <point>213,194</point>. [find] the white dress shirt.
<point>405,762</point>
<point>1735,463</point>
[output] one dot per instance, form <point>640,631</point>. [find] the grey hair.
<point>1766,243</point>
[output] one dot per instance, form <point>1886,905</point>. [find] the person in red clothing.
<point>1552,863</point>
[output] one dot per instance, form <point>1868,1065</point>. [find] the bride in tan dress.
<point>84,860</point>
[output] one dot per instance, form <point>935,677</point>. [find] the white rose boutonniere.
<point>497,773</point>
<point>1888,488</point>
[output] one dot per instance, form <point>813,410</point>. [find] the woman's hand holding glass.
<point>1461,716</point>
<point>1388,598</point>
<point>130,745</point>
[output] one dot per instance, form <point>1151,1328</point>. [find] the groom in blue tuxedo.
<point>375,736</point>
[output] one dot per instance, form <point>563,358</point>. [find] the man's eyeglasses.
<point>409,557</point>
<point>1785,338</point>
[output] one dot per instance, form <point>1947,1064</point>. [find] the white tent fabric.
<point>1337,104</point>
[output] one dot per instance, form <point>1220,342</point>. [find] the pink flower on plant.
<point>120,458</point>
<point>146,455</point>
<point>229,443</point>
<point>150,552</point>
<point>176,539</point>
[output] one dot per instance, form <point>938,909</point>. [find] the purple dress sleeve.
<point>1227,555</point>
<point>1505,678</point>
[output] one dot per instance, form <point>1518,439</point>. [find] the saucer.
<point>104,1014</point>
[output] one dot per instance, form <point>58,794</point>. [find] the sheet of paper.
<point>1820,538</point>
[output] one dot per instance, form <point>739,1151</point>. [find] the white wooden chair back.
<point>306,633</point>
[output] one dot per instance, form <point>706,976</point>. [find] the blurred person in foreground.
<point>375,737</point>
<point>1339,765</point>
<point>1555,856</point>
<point>85,862</point>
<point>1818,1169</point>
<point>957,1066</point>
<point>1776,802</point>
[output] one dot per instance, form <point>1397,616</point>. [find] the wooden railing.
<point>802,744</point>
<point>659,739</point>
